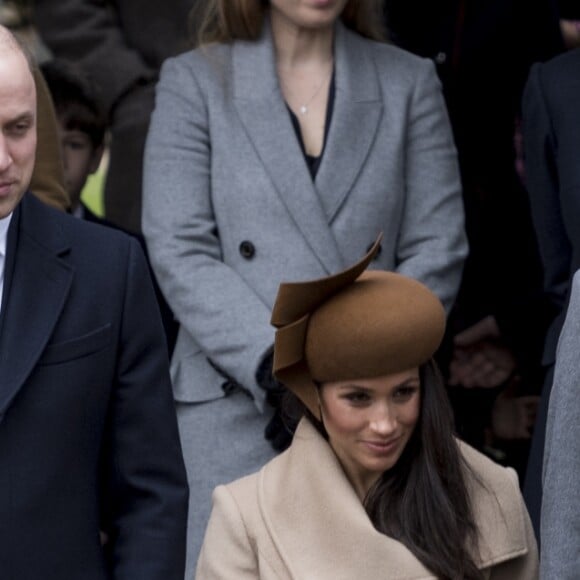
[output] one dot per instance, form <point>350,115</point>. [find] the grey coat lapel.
<point>357,112</point>
<point>37,284</point>
<point>263,113</point>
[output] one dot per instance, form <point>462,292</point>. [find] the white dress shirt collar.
<point>4,223</point>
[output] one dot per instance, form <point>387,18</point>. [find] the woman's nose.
<point>384,420</point>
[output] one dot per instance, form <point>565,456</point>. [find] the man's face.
<point>80,159</point>
<point>17,128</point>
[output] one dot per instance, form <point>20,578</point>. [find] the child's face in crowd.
<point>79,158</point>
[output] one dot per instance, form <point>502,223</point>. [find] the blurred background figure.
<point>121,45</point>
<point>81,130</point>
<point>9,14</point>
<point>279,149</point>
<point>483,52</point>
<point>570,22</point>
<point>551,121</point>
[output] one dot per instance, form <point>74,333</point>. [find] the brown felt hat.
<point>352,325</point>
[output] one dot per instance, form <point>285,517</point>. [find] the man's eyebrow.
<point>26,117</point>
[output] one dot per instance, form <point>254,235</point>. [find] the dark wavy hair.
<point>423,501</point>
<point>213,21</point>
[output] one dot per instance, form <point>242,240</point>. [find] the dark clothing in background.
<point>121,44</point>
<point>551,130</point>
<point>483,51</point>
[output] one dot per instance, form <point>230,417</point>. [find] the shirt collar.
<point>4,223</point>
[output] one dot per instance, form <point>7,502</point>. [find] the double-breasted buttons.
<point>247,250</point>
<point>230,387</point>
<point>379,250</point>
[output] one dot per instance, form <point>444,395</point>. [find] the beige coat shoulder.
<point>299,518</point>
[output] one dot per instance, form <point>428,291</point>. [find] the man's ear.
<point>96,158</point>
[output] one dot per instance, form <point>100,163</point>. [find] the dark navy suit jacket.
<point>88,436</point>
<point>551,121</point>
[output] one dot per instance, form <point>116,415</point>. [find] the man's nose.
<point>5,158</point>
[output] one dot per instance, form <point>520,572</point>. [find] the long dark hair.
<point>228,20</point>
<point>423,501</point>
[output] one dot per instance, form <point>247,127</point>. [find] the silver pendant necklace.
<point>303,108</point>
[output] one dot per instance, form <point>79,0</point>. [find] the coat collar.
<point>357,111</point>
<point>37,282</point>
<point>307,486</point>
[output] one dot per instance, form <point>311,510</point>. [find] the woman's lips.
<point>382,447</point>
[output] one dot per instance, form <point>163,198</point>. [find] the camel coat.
<point>283,523</point>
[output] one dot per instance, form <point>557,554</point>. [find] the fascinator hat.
<point>356,324</point>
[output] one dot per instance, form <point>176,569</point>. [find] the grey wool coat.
<point>230,211</point>
<point>560,522</point>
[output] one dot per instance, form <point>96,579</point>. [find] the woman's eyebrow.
<point>353,386</point>
<point>410,380</point>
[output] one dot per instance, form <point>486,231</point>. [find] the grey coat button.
<point>247,250</point>
<point>440,58</point>
<point>230,387</point>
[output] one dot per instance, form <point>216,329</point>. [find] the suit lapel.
<point>355,120</point>
<point>262,111</point>
<point>37,284</point>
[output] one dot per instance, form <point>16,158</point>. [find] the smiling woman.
<point>373,467</point>
<point>369,423</point>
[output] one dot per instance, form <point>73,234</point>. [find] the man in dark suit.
<point>121,44</point>
<point>483,52</point>
<point>551,117</point>
<point>88,436</point>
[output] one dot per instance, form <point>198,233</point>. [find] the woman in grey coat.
<point>279,149</point>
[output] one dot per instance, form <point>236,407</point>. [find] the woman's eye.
<point>404,393</point>
<point>357,397</point>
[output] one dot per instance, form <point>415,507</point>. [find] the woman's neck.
<point>301,48</point>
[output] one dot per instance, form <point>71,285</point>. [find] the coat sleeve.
<point>210,299</point>
<point>226,552</point>
<point>47,182</point>
<point>91,34</point>
<point>145,484</point>
<point>560,524</point>
<point>433,244</point>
